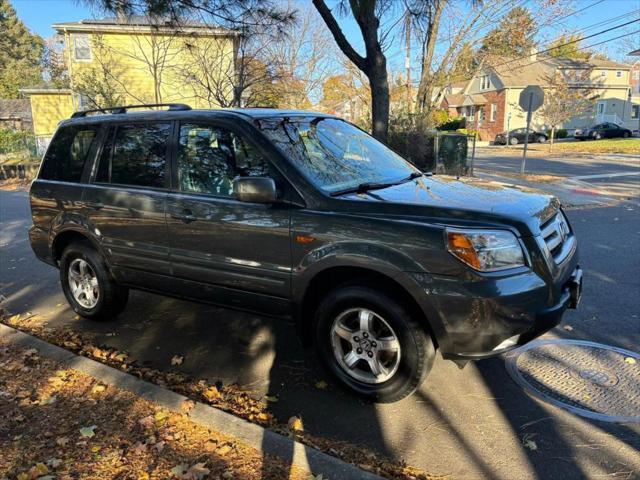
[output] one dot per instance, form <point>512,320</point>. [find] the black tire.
<point>541,139</point>
<point>112,298</point>
<point>625,135</point>
<point>597,136</point>
<point>513,141</point>
<point>417,351</point>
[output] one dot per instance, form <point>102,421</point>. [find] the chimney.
<point>533,54</point>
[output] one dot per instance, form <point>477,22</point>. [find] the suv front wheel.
<point>370,343</point>
<point>87,284</point>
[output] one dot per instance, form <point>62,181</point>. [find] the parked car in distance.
<point>602,130</point>
<point>518,136</point>
<point>303,216</point>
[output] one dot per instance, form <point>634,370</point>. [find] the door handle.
<point>186,216</point>
<point>94,205</point>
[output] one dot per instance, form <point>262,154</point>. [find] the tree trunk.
<point>374,65</point>
<point>553,134</point>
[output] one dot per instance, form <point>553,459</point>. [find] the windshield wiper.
<point>362,188</point>
<point>366,186</point>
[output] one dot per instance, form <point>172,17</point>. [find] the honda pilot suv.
<point>304,216</point>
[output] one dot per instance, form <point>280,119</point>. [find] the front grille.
<point>556,233</point>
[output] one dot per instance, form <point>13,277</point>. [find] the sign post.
<point>531,99</point>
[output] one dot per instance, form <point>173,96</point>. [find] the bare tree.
<point>448,28</point>
<point>101,84</point>
<point>55,70</point>
<point>305,56</point>
<point>568,94</point>
<point>227,77</point>
<point>156,51</point>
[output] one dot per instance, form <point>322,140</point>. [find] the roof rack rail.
<point>125,108</point>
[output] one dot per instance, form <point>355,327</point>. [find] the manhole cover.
<point>589,379</point>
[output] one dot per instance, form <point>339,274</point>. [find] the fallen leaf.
<point>180,470</point>
<point>62,441</point>
<point>212,393</point>
<point>531,445</point>
<point>568,328</point>
<point>227,475</point>
<point>98,388</point>
<point>95,449</point>
<point>30,352</point>
<point>187,405</point>
<point>321,385</point>
<point>158,447</point>
<point>139,448</point>
<point>295,423</point>
<point>48,400</point>
<point>161,416</point>
<point>197,472</point>
<point>177,360</point>
<point>54,462</point>
<point>88,431</point>
<point>147,422</point>
<point>630,360</point>
<point>223,450</point>
<point>270,398</point>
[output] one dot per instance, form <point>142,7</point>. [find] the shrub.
<point>12,140</point>
<point>560,133</point>
<point>469,132</point>
<point>452,124</point>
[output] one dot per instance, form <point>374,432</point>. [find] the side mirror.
<point>255,189</point>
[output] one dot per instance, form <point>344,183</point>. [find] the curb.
<point>263,440</point>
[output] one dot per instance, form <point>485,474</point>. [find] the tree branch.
<point>338,35</point>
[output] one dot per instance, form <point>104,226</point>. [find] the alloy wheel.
<point>365,346</point>
<point>83,283</point>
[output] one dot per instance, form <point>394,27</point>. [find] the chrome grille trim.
<point>557,235</point>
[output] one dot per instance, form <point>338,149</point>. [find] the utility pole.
<point>407,56</point>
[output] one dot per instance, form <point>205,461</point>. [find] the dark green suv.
<point>304,216</point>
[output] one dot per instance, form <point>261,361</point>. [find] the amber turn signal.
<point>460,245</point>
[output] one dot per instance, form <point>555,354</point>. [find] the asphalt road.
<point>494,158</point>
<point>470,423</point>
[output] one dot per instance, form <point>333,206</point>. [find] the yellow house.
<point>490,100</point>
<point>136,60</point>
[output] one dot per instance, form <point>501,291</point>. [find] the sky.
<point>38,15</point>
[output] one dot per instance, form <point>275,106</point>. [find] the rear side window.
<point>67,154</point>
<point>136,155</point>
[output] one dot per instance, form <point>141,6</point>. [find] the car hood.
<point>467,200</point>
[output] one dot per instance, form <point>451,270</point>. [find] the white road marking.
<point>605,175</point>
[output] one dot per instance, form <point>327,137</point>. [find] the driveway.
<point>468,423</point>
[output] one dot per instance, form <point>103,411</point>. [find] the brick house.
<point>489,100</point>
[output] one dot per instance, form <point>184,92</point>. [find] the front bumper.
<point>481,319</point>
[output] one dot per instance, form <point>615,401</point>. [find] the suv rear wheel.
<point>370,343</point>
<point>87,284</point>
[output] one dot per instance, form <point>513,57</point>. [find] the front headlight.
<point>485,250</point>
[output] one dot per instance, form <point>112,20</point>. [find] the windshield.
<point>333,154</point>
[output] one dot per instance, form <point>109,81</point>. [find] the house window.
<point>600,108</point>
<point>484,82</point>
<point>494,112</point>
<point>603,73</point>
<point>635,111</point>
<point>84,103</point>
<point>618,74</point>
<point>81,47</point>
<point>636,75</point>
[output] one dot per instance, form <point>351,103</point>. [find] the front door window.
<point>209,158</point>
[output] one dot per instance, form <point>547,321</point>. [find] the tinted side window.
<point>135,156</point>
<point>209,158</point>
<point>67,154</point>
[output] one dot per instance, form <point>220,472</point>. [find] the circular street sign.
<point>536,100</point>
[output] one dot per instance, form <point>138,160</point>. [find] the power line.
<point>577,49</point>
